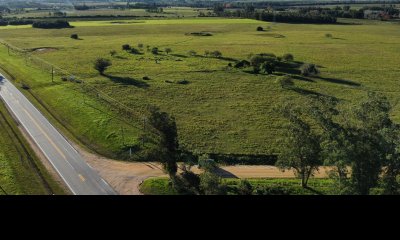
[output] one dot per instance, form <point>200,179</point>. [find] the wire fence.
<point>57,73</point>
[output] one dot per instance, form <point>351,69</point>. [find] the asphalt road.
<point>80,178</point>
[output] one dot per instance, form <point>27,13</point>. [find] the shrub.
<point>140,45</point>
<point>126,47</point>
<point>154,50</point>
<point>101,65</point>
<point>182,81</point>
<point>74,36</point>
<point>288,57</point>
<point>244,188</point>
<point>206,53</point>
<point>216,54</point>
<point>134,51</point>
<point>51,24</point>
<point>285,82</point>
<point>268,65</point>
<point>260,29</point>
<point>229,64</point>
<point>64,78</point>
<point>113,53</point>
<point>192,53</point>
<point>168,50</point>
<point>146,78</point>
<point>242,64</point>
<point>328,35</point>
<point>309,69</point>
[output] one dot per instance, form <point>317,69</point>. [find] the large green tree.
<point>300,148</point>
<point>168,150</point>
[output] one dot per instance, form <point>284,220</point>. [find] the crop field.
<point>220,109</point>
<point>20,171</point>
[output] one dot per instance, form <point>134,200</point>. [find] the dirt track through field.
<point>125,177</point>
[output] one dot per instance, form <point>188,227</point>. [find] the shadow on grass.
<point>119,57</point>
<point>313,190</point>
<point>338,81</point>
<point>127,81</point>
<point>312,93</point>
<point>178,55</point>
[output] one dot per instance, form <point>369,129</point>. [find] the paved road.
<point>76,173</point>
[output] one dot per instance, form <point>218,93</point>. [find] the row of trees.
<point>277,16</point>
<point>360,143</point>
<point>51,24</point>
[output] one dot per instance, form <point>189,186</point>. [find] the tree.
<point>134,51</point>
<point>309,69</point>
<point>211,184</point>
<point>168,50</point>
<point>244,188</point>
<point>113,53</point>
<point>192,53</point>
<point>206,53</point>
<point>300,149</point>
<point>168,142</point>
<point>360,138</point>
<point>154,50</point>
<point>288,57</point>
<point>391,172</point>
<point>101,65</point>
<point>285,82</point>
<point>260,29</point>
<point>268,65</point>
<point>264,62</point>
<point>126,47</point>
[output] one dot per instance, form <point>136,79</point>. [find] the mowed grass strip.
<point>221,109</point>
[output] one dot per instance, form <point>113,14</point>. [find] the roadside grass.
<point>21,172</point>
<point>157,186</point>
<point>220,110</point>
<point>317,186</point>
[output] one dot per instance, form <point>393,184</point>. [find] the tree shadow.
<point>120,57</point>
<point>313,190</point>
<point>301,78</point>
<point>127,81</point>
<point>338,81</point>
<point>178,55</point>
<point>312,93</point>
<point>337,38</point>
<point>223,173</point>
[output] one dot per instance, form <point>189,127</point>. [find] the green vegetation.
<point>221,110</point>
<point>284,186</point>
<point>21,172</point>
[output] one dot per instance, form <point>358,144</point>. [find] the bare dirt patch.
<point>124,177</point>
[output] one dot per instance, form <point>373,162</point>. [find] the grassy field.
<point>161,186</point>
<point>221,109</point>
<point>20,170</point>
